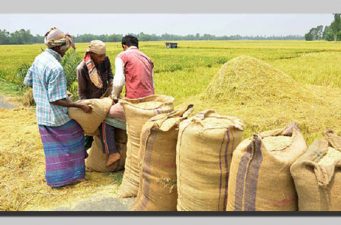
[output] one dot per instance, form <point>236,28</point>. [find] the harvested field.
<point>271,84</point>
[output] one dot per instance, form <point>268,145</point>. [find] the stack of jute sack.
<point>260,178</point>
<point>200,163</point>
<point>185,161</point>
<point>317,175</point>
<point>157,188</point>
<point>204,151</point>
<point>137,113</point>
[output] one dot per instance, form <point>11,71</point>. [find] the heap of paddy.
<point>266,98</point>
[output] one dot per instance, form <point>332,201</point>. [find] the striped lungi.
<point>64,153</point>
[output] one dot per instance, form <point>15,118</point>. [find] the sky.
<point>182,24</point>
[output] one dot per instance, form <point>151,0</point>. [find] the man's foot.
<point>113,157</point>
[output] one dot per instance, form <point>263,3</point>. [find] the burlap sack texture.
<point>204,151</point>
<point>260,178</point>
<point>91,121</point>
<point>97,158</point>
<point>157,190</point>
<point>137,113</point>
<point>317,175</point>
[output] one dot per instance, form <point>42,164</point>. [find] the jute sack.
<point>317,175</point>
<point>91,121</point>
<point>137,112</point>
<point>97,159</point>
<point>204,150</point>
<point>157,189</point>
<point>260,178</point>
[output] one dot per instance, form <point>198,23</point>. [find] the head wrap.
<point>97,47</point>
<point>55,37</point>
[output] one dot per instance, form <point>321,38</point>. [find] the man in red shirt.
<point>133,69</point>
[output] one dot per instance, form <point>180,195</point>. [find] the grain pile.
<point>266,98</point>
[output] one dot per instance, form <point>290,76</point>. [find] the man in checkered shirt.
<point>61,136</point>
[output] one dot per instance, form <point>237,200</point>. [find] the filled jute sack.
<point>204,151</point>
<point>317,175</point>
<point>157,188</point>
<point>97,158</point>
<point>91,121</point>
<point>260,178</point>
<point>137,113</point>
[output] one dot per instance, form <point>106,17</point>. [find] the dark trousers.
<point>88,141</point>
<point>107,134</point>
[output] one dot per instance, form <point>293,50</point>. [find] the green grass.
<point>9,89</point>
<point>307,62</point>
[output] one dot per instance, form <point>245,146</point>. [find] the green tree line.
<point>329,33</point>
<point>23,36</point>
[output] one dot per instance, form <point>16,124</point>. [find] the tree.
<point>328,34</point>
<point>315,33</point>
<point>4,37</point>
<point>336,26</point>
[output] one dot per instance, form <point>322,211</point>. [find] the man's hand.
<point>68,103</point>
<point>86,108</point>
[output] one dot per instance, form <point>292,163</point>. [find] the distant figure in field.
<point>62,137</point>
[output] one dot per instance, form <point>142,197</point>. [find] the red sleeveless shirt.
<point>138,70</point>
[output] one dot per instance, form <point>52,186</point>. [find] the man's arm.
<point>119,79</point>
<point>110,78</point>
<point>66,102</point>
<point>28,81</point>
<point>110,75</point>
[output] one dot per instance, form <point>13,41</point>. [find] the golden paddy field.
<point>265,83</point>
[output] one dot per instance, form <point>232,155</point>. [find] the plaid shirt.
<point>46,76</point>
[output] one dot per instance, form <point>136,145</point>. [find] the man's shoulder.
<point>48,61</point>
<point>119,55</point>
<point>81,66</point>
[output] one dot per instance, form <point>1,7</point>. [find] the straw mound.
<point>22,168</point>
<point>248,79</point>
<point>266,98</point>
<point>27,99</point>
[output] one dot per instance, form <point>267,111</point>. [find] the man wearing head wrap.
<point>94,73</point>
<point>62,137</point>
<point>95,77</point>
